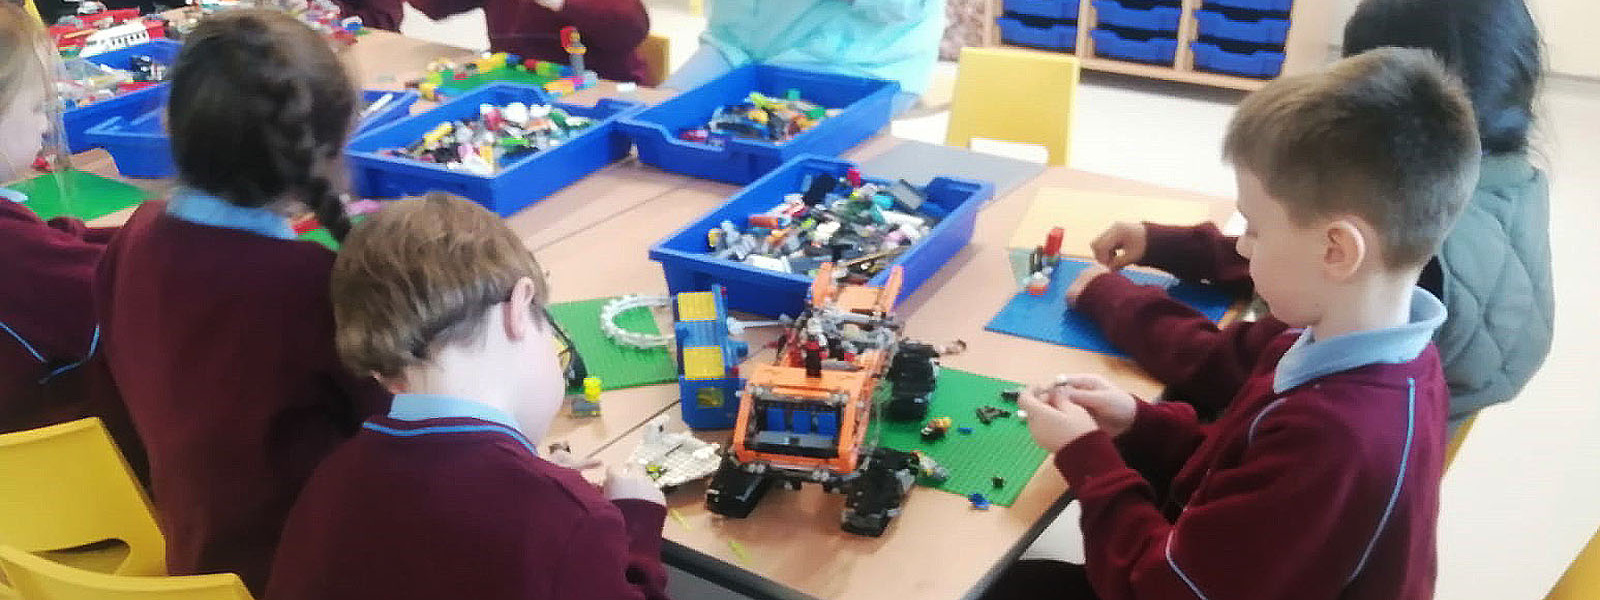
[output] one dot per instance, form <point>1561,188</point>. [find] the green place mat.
<point>1002,447</point>
<point>617,366</point>
<point>454,87</point>
<point>89,196</point>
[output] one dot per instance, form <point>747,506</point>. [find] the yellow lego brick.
<point>697,306</point>
<point>703,363</point>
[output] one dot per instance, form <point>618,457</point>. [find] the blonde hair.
<point>27,59</point>
<point>1387,135</point>
<point>420,275</point>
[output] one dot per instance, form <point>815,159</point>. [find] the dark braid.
<point>260,111</point>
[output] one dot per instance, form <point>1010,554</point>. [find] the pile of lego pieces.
<point>499,135</point>
<point>86,83</point>
<point>860,226</point>
<point>563,80</point>
<point>761,118</point>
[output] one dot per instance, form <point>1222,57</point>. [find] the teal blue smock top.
<point>888,39</point>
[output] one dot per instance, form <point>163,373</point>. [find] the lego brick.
<point>775,420</point>
<point>827,424</point>
<point>703,363</point>
<point>92,196</point>
<point>1002,448</point>
<point>1046,319</point>
<point>697,306</point>
<point>617,367</point>
<point>800,421</point>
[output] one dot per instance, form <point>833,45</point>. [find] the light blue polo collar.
<point>12,195</point>
<point>1309,359</point>
<point>198,207</point>
<point>421,407</point>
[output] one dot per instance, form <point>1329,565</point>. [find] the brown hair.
<point>1387,135</point>
<point>419,275</point>
<point>260,110</point>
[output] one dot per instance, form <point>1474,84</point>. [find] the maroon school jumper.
<point>461,508</point>
<point>1326,489</point>
<point>47,303</point>
<point>611,30</point>
<point>220,342</point>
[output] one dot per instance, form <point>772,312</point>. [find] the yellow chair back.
<point>1455,442</point>
<point>656,52</point>
<point>1582,579</point>
<point>1014,95</point>
<point>39,579</point>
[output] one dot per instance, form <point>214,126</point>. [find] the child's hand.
<point>1053,421</point>
<point>562,456</point>
<point>1084,277</point>
<point>629,482</point>
<point>1113,409</point>
<point>1120,245</point>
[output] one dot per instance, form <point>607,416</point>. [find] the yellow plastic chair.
<point>41,579</point>
<point>1016,96</point>
<point>66,486</point>
<point>1582,579</point>
<point>32,10</point>
<point>656,52</point>
<point>1455,442</point>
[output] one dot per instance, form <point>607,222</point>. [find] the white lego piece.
<point>674,459</point>
<point>632,339</point>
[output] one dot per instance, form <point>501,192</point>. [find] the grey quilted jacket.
<point>1496,284</point>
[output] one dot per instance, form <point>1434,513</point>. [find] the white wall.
<point>1568,27</point>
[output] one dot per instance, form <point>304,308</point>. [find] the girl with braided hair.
<point>216,321</point>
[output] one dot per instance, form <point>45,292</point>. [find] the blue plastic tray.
<point>866,103</point>
<point>688,266</point>
<point>76,121</point>
<point>1154,18</point>
<point>1273,5</point>
<point>141,149</point>
<point>1263,30</point>
<point>1050,9</point>
<point>1030,32</point>
<point>517,185</point>
<point>1112,44</point>
<point>1259,63</point>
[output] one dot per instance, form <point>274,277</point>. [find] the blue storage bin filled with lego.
<point>1135,46</point>
<point>677,135</point>
<point>1242,26</point>
<point>84,86</point>
<point>762,245</point>
<point>513,152</point>
<point>1147,16</point>
<point>1265,5</point>
<point>1038,32</point>
<point>1065,10</point>
<point>1237,61</point>
<point>141,149</point>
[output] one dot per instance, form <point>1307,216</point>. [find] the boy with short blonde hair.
<point>446,496</point>
<point>1321,479</point>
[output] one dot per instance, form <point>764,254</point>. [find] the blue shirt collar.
<point>1309,359</point>
<point>421,407</point>
<point>12,195</point>
<point>198,207</point>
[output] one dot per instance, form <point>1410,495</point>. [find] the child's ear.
<point>1344,249</point>
<point>519,321</point>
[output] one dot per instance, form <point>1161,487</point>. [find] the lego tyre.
<point>735,491</point>
<point>874,497</point>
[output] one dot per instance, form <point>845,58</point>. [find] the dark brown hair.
<point>1386,135</point>
<point>419,275</point>
<point>260,110</point>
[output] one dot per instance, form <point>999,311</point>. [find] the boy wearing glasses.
<point>447,496</point>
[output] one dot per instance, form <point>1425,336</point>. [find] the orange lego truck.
<point>805,416</point>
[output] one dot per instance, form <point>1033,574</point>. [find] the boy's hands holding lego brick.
<point>1084,277</point>
<point>1113,409</point>
<point>1120,245</point>
<point>629,482</point>
<point>562,456</point>
<point>1053,421</point>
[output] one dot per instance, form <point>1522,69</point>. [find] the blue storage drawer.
<point>1038,33</point>
<point>374,174</point>
<point>76,122</point>
<point>1257,63</point>
<point>688,265</point>
<point>141,149</point>
<point>1272,5</point>
<point>1261,30</point>
<point>1114,44</point>
<point>1065,10</point>
<point>1151,18</point>
<point>866,105</point>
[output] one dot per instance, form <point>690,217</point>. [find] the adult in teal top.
<point>887,39</point>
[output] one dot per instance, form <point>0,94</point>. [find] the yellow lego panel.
<point>697,306</point>
<point>703,363</point>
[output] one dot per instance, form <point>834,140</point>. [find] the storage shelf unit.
<point>1306,47</point>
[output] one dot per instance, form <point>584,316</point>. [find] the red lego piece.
<point>1052,242</point>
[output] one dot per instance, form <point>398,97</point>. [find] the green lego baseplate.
<point>1003,448</point>
<point>74,193</point>
<point>617,366</point>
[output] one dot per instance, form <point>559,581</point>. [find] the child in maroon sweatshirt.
<point>447,496</point>
<point>1321,478</point>
<point>611,30</point>
<point>215,319</point>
